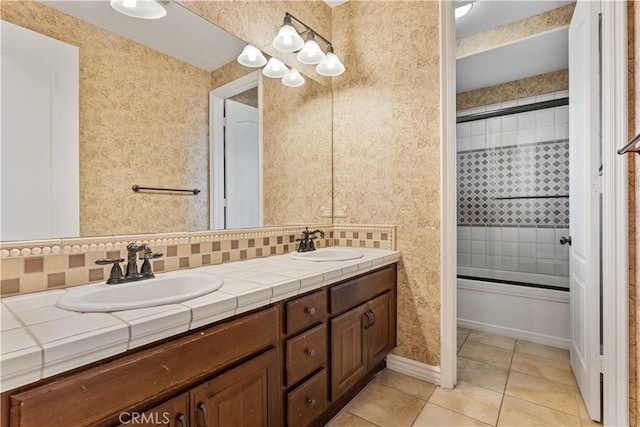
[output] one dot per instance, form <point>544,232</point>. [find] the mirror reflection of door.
<point>242,161</point>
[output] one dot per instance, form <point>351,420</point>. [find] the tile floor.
<point>501,382</point>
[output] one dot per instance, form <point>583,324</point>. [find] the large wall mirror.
<point>147,95</point>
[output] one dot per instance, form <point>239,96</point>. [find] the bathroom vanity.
<point>293,362</point>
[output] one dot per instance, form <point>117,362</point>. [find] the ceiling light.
<point>330,66</point>
<point>288,39</point>
<point>463,10</point>
<point>251,56</point>
<point>293,78</point>
<point>143,9</point>
<point>311,52</point>
<point>275,69</point>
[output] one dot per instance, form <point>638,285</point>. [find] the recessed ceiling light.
<point>463,10</point>
<point>143,9</point>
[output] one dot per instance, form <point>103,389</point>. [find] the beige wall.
<point>517,89</point>
<point>297,152</point>
<point>248,97</point>
<point>386,148</point>
<point>297,148</point>
<point>143,120</point>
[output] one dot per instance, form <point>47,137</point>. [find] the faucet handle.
<point>116,272</point>
<point>150,255</point>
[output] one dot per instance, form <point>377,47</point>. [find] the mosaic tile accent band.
<point>32,266</point>
<point>484,176</point>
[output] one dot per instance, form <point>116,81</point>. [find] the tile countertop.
<point>38,340</point>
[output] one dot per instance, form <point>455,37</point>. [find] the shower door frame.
<point>615,213</point>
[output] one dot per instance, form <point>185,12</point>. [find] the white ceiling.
<point>181,34</point>
<point>487,14</point>
<point>538,54</point>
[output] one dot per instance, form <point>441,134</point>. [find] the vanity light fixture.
<point>251,56</point>
<point>330,66</point>
<point>143,9</point>
<point>293,78</point>
<point>275,69</point>
<point>311,52</point>
<point>288,40</point>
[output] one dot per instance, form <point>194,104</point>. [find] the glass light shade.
<point>275,69</point>
<point>463,10</point>
<point>293,78</point>
<point>251,56</point>
<point>330,66</point>
<point>288,39</point>
<point>143,9</point>
<point>311,52</point>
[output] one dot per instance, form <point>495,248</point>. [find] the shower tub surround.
<point>513,207</point>
<point>507,167</point>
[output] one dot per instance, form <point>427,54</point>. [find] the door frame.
<point>615,213</point>
<point>615,242</point>
<point>216,144</point>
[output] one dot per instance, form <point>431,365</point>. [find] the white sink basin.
<point>327,254</point>
<point>166,288</point>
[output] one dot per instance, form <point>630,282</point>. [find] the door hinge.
<point>224,202</point>
<point>224,121</point>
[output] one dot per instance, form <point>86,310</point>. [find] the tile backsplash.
<point>31,266</point>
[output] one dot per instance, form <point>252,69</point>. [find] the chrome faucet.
<point>306,243</point>
<point>132,273</point>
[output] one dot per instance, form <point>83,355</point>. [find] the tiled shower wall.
<point>519,155</point>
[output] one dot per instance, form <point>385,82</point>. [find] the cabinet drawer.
<point>305,311</point>
<point>307,401</point>
<point>306,353</point>
<point>96,396</point>
<point>361,289</point>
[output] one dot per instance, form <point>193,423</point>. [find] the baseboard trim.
<point>515,333</point>
<point>421,371</point>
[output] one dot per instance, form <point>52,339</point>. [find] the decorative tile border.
<point>31,266</point>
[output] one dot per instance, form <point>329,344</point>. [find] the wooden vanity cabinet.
<point>113,392</point>
<point>244,396</point>
<point>292,363</point>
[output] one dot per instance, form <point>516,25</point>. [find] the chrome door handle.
<point>565,240</point>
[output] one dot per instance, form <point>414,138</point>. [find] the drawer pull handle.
<point>203,409</point>
<point>374,317</point>
<point>311,352</point>
<point>310,310</point>
<point>367,323</point>
<point>311,401</point>
<point>181,420</point>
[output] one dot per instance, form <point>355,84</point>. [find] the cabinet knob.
<point>311,401</point>
<point>311,352</point>
<point>310,310</point>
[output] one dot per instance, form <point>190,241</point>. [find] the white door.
<point>584,162</point>
<point>242,163</point>
<point>39,144</point>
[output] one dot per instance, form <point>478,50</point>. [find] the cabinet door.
<point>172,413</point>
<point>379,334</point>
<point>348,350</point>
<point>245,396</point>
